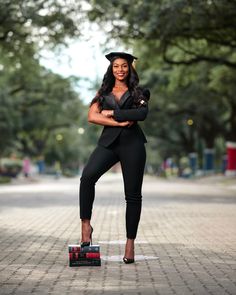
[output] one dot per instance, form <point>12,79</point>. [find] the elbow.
<point>90,118</point>
<point>143,116</point>
<point>93,117</point>
<point>93,113</point>
<point>141,119</point>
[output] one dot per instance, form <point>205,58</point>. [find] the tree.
<point>185,31</point>
<point>27,25</point>
<point>184,108</point>
<point>187,59</point>
<point>223,82</point>
<point>36,104</point>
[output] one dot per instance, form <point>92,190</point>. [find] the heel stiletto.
<point>128,260</point>
<point>84,244</point>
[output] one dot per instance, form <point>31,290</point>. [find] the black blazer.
<point>124,110</point>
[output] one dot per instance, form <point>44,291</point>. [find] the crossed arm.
<point>101,118</point>
<point>118,117</point>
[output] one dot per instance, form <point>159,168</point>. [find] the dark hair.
<point>132,83</point>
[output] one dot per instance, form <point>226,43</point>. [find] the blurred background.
<point>52,62</point>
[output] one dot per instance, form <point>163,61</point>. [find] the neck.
<point>120,84</point>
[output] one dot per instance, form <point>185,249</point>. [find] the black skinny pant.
<point>132,156</point>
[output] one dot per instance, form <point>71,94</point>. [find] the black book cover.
<point>85,262</point>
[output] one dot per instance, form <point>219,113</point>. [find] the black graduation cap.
<point>129,57</point>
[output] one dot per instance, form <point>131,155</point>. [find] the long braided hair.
<point>108,83</point>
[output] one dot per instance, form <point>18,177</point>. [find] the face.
<point>120,69</point>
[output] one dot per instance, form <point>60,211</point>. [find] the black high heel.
<point>84,244</point>
<point>128,260</point>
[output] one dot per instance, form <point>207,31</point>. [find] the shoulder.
<point>146,93</point>
<point>98,98</point>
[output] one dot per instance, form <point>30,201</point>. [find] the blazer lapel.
<point>110,100</point>
<point>124,97</point>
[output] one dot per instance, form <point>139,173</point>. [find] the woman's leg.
<point>133,158</point>
<point>100,161</point>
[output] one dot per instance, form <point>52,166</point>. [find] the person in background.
<point>26,167</point>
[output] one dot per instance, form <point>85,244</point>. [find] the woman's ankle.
<point>85,229</point>
<point>85,221</point>
<point>85,224</point>
<point>129,248</point>
<point>130,242</point>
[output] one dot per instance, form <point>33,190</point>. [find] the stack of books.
<point>84,256</point>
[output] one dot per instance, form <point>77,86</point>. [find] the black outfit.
<point>124,144</point>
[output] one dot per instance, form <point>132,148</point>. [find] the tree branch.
<point>199,58</point>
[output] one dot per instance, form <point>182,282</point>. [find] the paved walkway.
<point>186,242</point>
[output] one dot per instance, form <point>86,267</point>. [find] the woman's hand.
<point>110,114</point>
<point>107,113</point>
<point>126,123</point>
<point>105,118</point>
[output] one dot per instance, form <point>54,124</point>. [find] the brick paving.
<point>186,242</point>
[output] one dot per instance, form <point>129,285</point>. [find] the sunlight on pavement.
<point>120,242</point>
<point>120,258</point>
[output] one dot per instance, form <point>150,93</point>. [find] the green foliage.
<point>187,58</point>
<point>5,179</point>
<point>202,30</point>
<point>28,24</point>
<point>36,104</point>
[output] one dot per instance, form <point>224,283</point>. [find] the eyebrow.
<point>125,63</point>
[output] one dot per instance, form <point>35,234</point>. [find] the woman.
<point>118,105</point>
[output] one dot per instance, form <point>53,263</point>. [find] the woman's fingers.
<point>126,123</point>
<point>107,113</point>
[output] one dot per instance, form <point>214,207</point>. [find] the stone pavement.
<point>186,242</point>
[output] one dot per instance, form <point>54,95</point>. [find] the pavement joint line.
<point>190,230</point>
